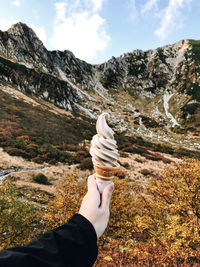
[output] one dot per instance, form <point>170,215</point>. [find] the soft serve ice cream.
<point>104,152</point>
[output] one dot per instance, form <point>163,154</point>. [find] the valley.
<point>49,103</point>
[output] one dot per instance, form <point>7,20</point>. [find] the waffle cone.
<point>105,173</point>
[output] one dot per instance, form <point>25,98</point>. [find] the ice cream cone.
<point>104,175</point>
<point>104,152</point>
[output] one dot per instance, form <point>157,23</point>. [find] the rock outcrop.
<point>143,89</point>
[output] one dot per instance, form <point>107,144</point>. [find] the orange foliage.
<point>122,212</point>
<point>118,253</point>
<point>158,228</point>
<point>169,212</point>
<point>7,128</point>
<point>23,137</point>
<point>66,203</point>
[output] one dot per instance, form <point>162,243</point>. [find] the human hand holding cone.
<point>104,175</point>
<point>104,153</point>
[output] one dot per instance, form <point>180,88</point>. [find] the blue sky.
<point>96,30</point>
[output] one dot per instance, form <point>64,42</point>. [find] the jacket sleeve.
<point>73,244</point>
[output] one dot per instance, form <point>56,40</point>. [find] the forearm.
<point>72,244</point>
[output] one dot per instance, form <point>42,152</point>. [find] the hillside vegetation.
<point>157,227</point>
<point>37,134</point>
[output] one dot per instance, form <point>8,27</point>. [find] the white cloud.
<point>97,4</point>
<point>133,10</point>
<point>172,18</point>
<point>5,24</point>
<point>40,32</point>
<point>149,5</point>
<point>94,5</point>
<point>80,29</point>
<point>60,11</point>
<point>16,3</point>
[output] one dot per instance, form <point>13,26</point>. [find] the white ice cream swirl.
<point>104,148</point>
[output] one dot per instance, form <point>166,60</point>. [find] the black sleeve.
<point>73,244</point>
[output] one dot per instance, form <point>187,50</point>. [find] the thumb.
<point>106,196</point>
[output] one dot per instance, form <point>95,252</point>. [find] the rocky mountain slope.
<point>154,93</point>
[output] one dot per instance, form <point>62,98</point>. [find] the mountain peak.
<point>21,43</point>
<point>18,25</point>
<point>22,30</point>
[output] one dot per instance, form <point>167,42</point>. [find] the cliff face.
<point>144,90</point>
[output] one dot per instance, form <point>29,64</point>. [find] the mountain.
<point>154,94</point>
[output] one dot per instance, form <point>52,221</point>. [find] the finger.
<point>106,196</point>
<point>92,182</point>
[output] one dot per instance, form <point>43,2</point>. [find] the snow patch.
<point>102,92</point>
<point>141,123</point>
<point>86,111</point>
<point>197,145</point>
<point>157,113</point>
<point>80,93</point>
<point>166,98</point>
<point>46,94</point>
<point>133,109</point>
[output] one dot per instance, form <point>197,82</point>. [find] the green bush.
<point>20,221</point>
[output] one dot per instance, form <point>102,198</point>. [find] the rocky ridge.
<point>147,92</point>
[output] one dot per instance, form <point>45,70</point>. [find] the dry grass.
<point>135,174</point>
<point>7,161</point>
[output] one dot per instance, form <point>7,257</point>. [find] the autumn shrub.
<point>151,157</point>
<point>66,202</point>
<point>135,149</point>
<point>52,161</point>
<point>125,165</point>
<point>169,212</point>
<point>71,147</point>
<point>163,148</point>
<point>86,164</point>
<point>146,171</point>
<point>32,149</point>
<point>81,155</point>
<point>13,109</point>
<point>16,143</point>
<point>17,152</point>
<point>115,253</point>
<point>158,227</point>
<point>122,207</point>
<point>23,137</point>
<point>3,139</point>
<point>20,221</point>
<point>120,174</point>
<point>87,134</point>
<point>123,154</point>
<point>40,178</point>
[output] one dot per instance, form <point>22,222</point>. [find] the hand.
<point>95,207</point>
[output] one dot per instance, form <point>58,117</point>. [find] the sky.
<point>96,30</point>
